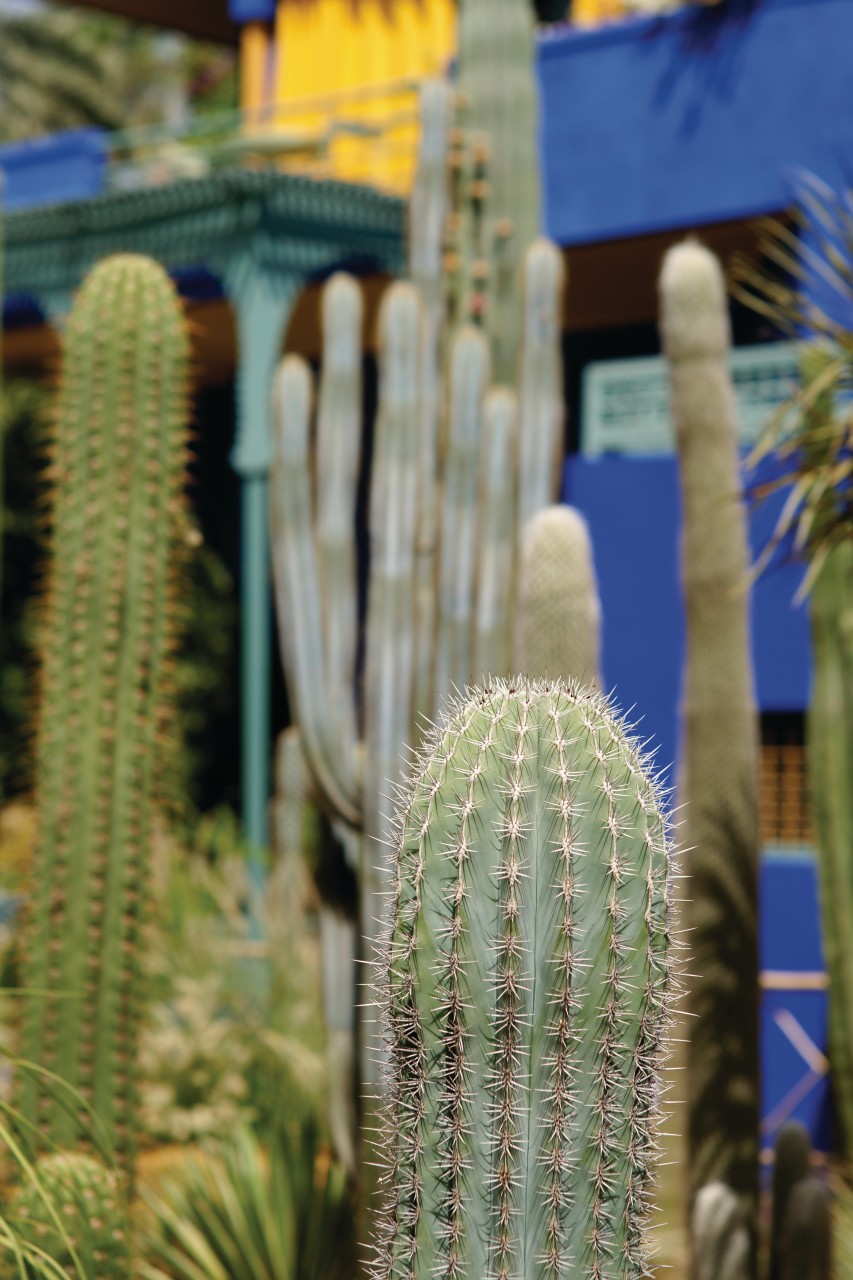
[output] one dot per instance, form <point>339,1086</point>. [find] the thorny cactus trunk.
<point>118,462</point>
<point>718,783</point>
<point>527,983</point>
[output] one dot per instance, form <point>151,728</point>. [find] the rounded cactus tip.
<point>528,982</point>
<point>693,308</point>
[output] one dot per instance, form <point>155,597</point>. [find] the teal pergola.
<point>264,234</point>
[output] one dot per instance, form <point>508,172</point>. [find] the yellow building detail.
<point>335,85</point>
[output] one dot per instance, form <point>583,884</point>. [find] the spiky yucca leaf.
<point>243,1212</point>
<point>528,982</point>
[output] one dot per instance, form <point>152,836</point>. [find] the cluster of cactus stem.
<point>459,464</point>
<point>73,1213</point>
<point>800,1237</point>
<point>526,980</point>
<point>718,778</point>
<point>117,475</point>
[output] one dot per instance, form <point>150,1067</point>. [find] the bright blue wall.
<point>703,116</point>
<point>62,166</point>
<point>632,507</point>
<point>251,10</point>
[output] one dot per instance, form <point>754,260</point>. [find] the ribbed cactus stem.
<point>469,377</point>
<point>496,534</point>
<point>718,783</point>
<point>558,614</point>
<point>830,763</point>
<point>720,1240</point>
<point>118,467</point>
<point>428,211</point>
<point>390,622</point>
<point>297,595</point>
<point>497,80</point>
<point>528,983</point>
<point>338,454</point>
<point>806,1252</point>
<point>540,380</point>
<point>791,1163</point>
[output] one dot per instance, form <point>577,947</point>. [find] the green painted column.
<point>263,299</point>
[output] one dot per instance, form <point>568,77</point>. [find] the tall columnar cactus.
<point>718,781</point>
<point>830,754</point>
<point>457,466</point>
<point>118,462</point>
<point>558,619</point>
<point>527,980</point>
<point>497,85</point>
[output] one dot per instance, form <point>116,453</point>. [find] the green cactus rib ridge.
<point>528,981</point>
<point>118,471</point>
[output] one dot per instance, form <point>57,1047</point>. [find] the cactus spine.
<point>527,985</point>
<point>718,780</point>
<point>558,622</point>
<point>118,463</point>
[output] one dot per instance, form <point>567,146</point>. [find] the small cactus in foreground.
<point>791,1163</point>
<point>86,1198</point>
<point>528,979</point>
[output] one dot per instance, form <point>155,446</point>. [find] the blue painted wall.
<point>62,166</point>
<point>703,116</point>
<point>632,507</point>
<point>251,10</point>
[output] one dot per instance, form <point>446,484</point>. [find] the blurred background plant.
<point>243,1211</point>
<point>62,67</point>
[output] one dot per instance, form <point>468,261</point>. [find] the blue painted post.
<point>263,299</point>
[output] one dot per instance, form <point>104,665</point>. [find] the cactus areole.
<point>527,988</point>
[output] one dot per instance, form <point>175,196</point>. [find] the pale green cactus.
<point>558,619</point>
<point>527,983</point>
<point>718,778</point>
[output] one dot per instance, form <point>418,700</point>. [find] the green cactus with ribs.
<point>117,474</point>
<point>718,772</point>
<point>459,463</point>
<point>528,976</point>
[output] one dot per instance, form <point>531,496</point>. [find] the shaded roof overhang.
<point>204,19</point>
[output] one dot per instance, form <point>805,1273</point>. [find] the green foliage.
<point>74,1211</point>
<point>802,281</point>
<point>117,470</point>
<point>528,981</point>
<point>62,68</point>
<point>235,1031</point>
<point>241,1211</point>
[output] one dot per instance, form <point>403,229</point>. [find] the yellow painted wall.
<point>589,12</point>
<point>332,60</point>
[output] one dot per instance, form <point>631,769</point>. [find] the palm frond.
<point>803,283</point>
